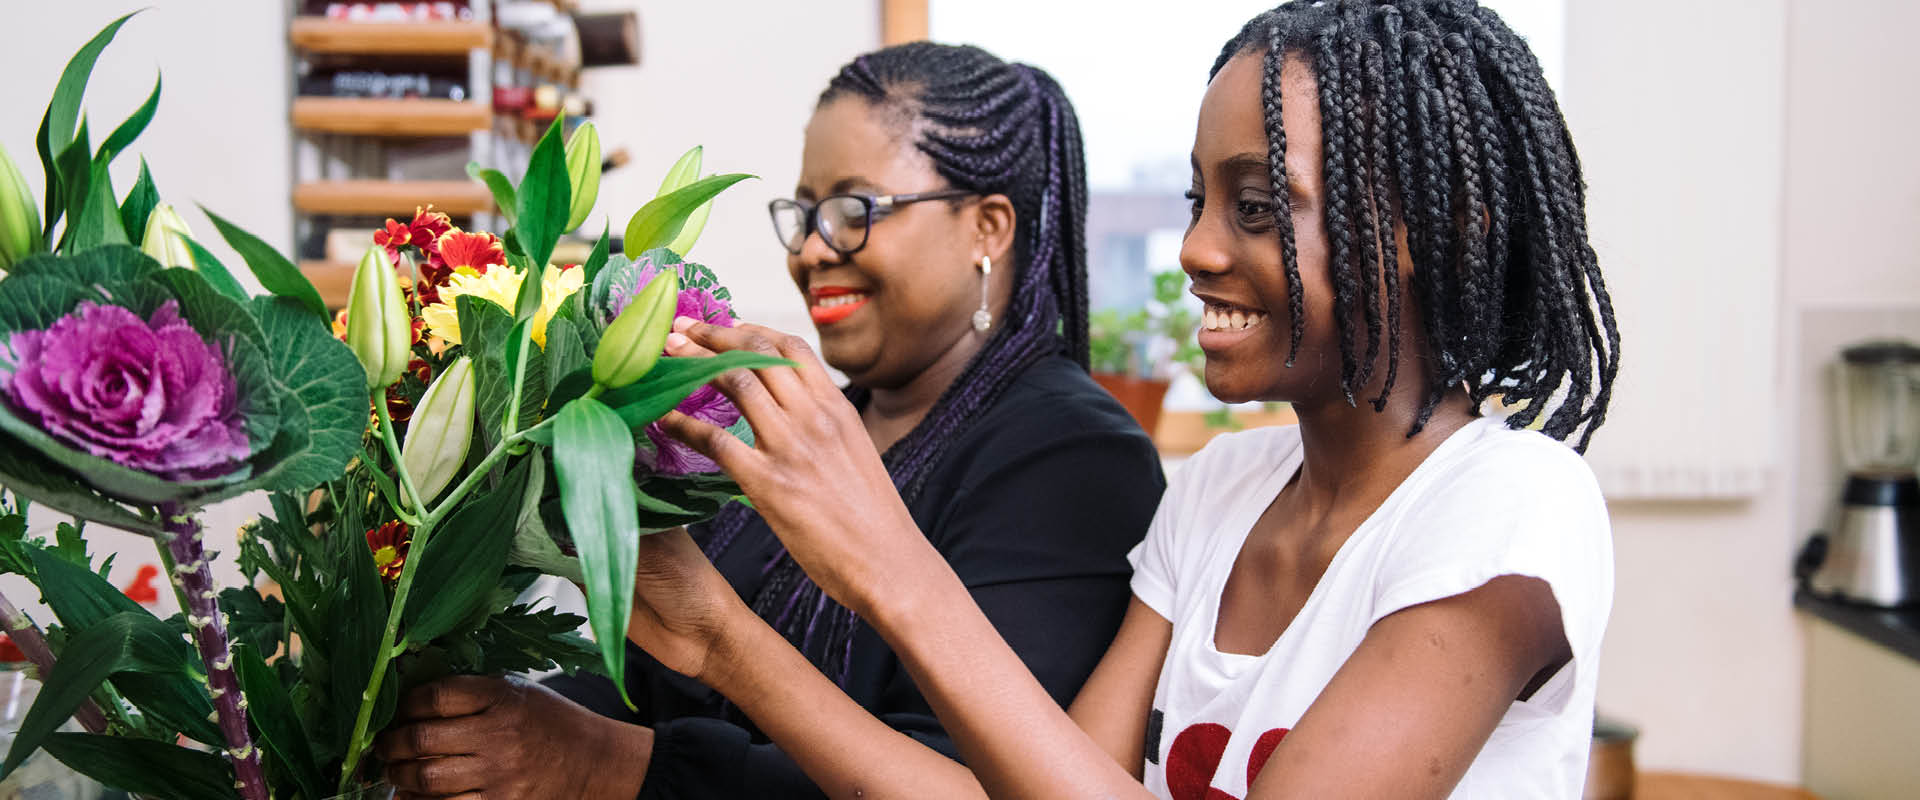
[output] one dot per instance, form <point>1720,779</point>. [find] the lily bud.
<point>379,329</point>
<point>166,238</point>
<point>19,216</point>
<point>441,431</point>
<point>583,172</point>
<point>632,344</point>
<point>685,172</point>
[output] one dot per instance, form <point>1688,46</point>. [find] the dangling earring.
<point>983,319</point>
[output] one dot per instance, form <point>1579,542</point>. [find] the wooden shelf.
<point>334,279</point>
<point>391,198</point>
<point>319,35</point>
<point>363,116</point>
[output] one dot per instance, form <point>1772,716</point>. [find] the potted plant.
<point>1136,352</point>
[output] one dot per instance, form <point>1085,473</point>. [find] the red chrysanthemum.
<point>471,251</point>
<point>427,227</point>
<point>389,544</point>
<point>394,236</point>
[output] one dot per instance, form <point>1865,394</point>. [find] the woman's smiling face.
<point>891,308</point>
<point>1232,249</point>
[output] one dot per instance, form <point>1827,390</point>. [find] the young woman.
<point>936,235</point>
<point>1396,598</point>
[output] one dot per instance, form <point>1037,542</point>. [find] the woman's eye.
<point>1194,202</point>
<point>1252,209</point>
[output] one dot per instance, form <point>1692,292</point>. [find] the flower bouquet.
<point>474,418</point>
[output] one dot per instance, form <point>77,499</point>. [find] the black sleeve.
<point>1040,539</point>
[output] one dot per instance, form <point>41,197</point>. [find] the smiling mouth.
<point>1226,318</point>
<point>830,307</point>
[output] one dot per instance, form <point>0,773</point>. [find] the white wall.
<point>740,79</point>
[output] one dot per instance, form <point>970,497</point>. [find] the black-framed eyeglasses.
<point>842,219</point>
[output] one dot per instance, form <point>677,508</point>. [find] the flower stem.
<point>27,635</point>
<point>209,628</point>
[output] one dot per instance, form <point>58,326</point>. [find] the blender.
<point>1873,545</point>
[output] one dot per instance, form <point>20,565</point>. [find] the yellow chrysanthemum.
<point>501,286</point>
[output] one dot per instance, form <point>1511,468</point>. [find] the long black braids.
<point>991,127</point>
<point>1435,115</point>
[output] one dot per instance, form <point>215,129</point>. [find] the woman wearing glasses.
<point>937,237</point>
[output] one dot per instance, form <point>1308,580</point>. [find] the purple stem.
<point>195,579</point>
<point>27,636</point>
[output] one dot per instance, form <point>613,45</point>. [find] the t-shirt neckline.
<point>1276,482</point>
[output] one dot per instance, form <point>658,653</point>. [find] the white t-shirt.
<point>1488,502</point>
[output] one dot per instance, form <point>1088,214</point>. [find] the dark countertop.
<point>1897,630</point>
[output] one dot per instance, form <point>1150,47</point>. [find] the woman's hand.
<point>508,738</point>
<point>683,609</point>
<point>812,472</point>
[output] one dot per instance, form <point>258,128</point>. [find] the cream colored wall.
<point>740,79</point>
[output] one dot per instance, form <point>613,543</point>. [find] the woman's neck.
<point>893,412</point>
<point>1357,453</point>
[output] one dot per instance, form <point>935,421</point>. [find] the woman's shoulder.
<point>1492,456</point>
<point>1052,400</point>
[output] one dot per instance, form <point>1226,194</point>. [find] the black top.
<point>1035,507</point>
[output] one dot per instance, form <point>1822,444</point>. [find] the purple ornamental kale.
<point>668,456</point>
<point>147,394</point>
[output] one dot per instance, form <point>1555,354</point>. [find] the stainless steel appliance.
<point>1872,548</point>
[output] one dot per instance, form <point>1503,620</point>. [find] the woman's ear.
<point>994,223</point>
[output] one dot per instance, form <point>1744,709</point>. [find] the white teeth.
<point>839,300</point>
<point>1223,318</point>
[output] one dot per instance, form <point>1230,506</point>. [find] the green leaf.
<point>33,477</point>
<point>275,273</point>
<point>658,222</point>
<point>130,130</point>
<point>77,596</point>
<point>599,257</point>
<point>272,712</point>
<point>98,219</point>
<point>532,546</point>
<point>75,165</point>
<point>670,381</point>
<point>462,561</point>
<point>527,302</point>
<point>546,197</point>
<point>254,619</point>
<point>139,204</point>
<point>502,188</point>
<point>325,387</point>
<point>177,701</point>
<point>485,333</point>
<point>358,621</point>
<point>143,766</point>
<point>593,460</point>
<point>56,125</point>
<point>566,355</point>
<point>126,642</point>
<point>100,267</point>
<point>215,273</point>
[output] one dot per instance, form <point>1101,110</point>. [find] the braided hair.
<point>993,128</point>
<point>1438,112</point>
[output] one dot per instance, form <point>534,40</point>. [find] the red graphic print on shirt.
<point>1195,755</point>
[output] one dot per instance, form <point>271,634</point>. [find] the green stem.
<point>391,644</point>
<point>166,562</point>
<point>393,449</point>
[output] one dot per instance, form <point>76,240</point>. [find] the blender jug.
<point>1873,545</point>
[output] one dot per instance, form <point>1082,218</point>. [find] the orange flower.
<point>471,253</point>
<point>389,544</point>
<point>427,227</point>
<point>340,324</point>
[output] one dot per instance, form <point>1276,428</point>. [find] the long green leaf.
<point>98,221</point>
<point>78,597</point>
<point>598,259</point>
<point>462,562</point>
<point>593,460</point>
<point>275,273</point>
<point>127,642</point>
<point>74,167</point>
<point>216,273</point>
<point>546,197</point>
<point>658,222</point>
<point>272,711</point>
<point>500,186</point>
<point>145,767</point>
<point>130,130</point>
<point>56,125</point>
<point>670,381</point>
<point>140,202</point>
<point>359,619</point>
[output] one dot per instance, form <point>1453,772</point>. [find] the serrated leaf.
<point>325,382</point>
<point>274,272</point>
<point>462,561</point>
<point>593,460</point>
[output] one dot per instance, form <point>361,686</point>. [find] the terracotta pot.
<point>1140,396</point>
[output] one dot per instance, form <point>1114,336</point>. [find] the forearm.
<point>981,691</point>
<point>845,750</point>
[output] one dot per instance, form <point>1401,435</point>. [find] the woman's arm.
<point>1117,700</point>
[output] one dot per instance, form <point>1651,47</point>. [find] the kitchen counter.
<point>1898,631</point>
